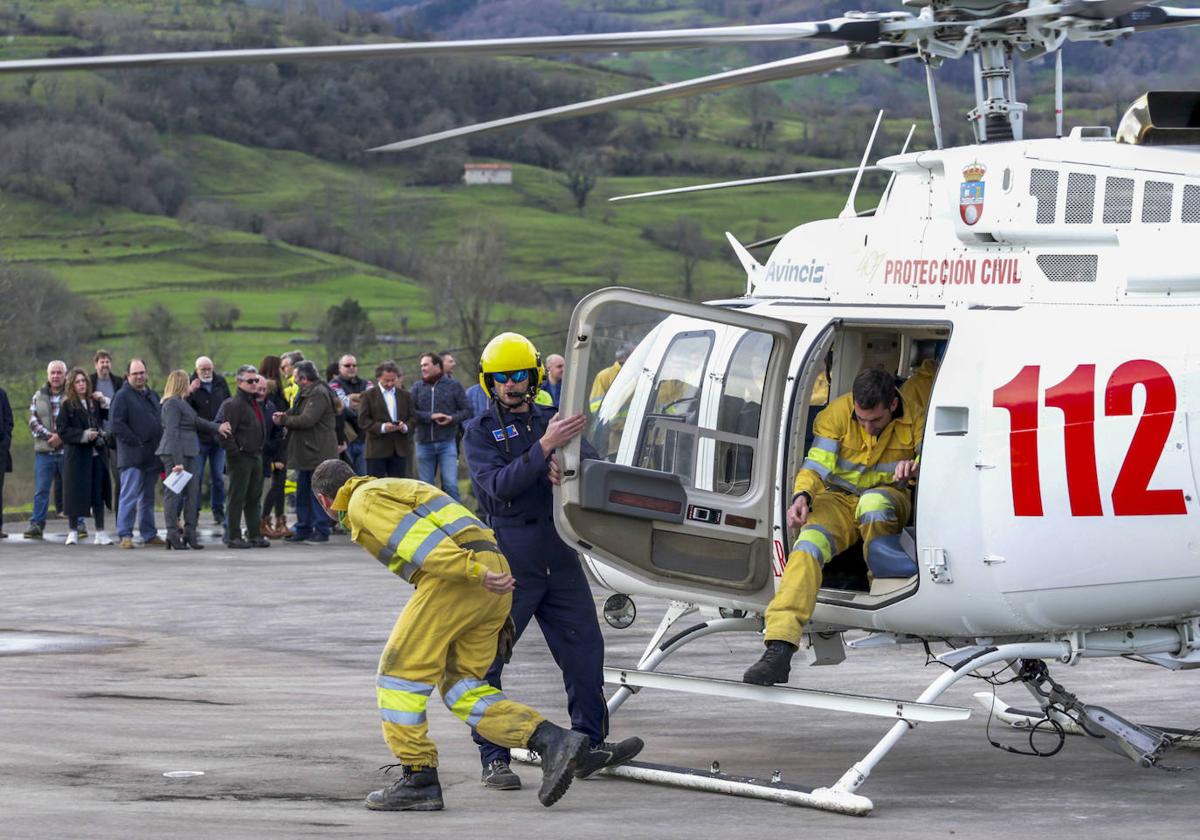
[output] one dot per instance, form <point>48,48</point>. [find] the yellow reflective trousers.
<point>835,522</point>
<point>446,639</point>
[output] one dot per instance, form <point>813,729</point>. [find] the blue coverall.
<point>509,476</point>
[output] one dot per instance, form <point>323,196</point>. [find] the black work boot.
<point>561,751</point>
<point>775,665</point>
<point>607,754</point>
<point>416,790</point>
<point>499,776</point>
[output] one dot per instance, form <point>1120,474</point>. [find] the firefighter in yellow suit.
<point>446,637</point>
<point>852,485</point>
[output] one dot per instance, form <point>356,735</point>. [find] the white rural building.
<point>487,173</point>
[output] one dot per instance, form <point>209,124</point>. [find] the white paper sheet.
<point>176,481</point>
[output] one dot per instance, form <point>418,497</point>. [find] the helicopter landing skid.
<point>841,797</point>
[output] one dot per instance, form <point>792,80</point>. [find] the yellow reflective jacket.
<point>844,457</point>
<point>600,385</point>
<point>415,529</point>
<point>290,390</point>
<point>919,387</point>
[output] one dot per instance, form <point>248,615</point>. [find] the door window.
<point>669,430</point>
<point>738,417</point>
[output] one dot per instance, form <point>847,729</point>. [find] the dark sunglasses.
<point>515,376</point>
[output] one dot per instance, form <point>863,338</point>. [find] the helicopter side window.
<point>738,417</point>
<point>669,431</point>
<point>1156,202</point>
<point>1118,201</point>
<point>1191,204</point>
<point>1043,186</point>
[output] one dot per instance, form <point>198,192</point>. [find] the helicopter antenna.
<point>848,210</point>
<point>935,113</point>
<point>1058,94</point>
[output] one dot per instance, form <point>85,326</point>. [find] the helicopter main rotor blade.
<point>802,65</point>
<point>747,182</point>
<point>1159,17</point>
<point>850,30</point>
<point>1101,9</point>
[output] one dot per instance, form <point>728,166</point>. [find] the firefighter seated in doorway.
<point>853,484</point>
<point>446,637</point>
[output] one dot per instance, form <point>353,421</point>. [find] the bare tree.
<point>464,286</point>
<point>579,177</point>
<point>218,314</point>
<point>161,333</point>
<point>686,237</point>
<point>346,328</point>
<point>41,319</point>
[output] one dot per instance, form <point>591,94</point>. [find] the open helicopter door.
<point>684,404</point>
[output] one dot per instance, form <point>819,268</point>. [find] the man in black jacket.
<point>206,392</point>
<point>6,427</point>
<point>244,445</point>
<point>345,385</point>
<point>137,425</point>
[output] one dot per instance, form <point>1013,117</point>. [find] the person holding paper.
<point>179,449</point>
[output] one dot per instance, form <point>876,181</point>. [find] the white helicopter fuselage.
<point>1058,484</point>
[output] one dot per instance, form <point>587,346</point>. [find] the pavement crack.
<point>151,697</point>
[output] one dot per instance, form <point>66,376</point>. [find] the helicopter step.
<point>713,780</point>
<point>811,698</point>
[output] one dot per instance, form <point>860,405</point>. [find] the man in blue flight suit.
<point>509,453</point>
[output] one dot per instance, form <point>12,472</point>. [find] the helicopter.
<point>1045,286</point>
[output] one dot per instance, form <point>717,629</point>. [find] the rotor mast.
<point>997,114</point>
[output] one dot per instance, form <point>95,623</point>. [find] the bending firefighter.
<point>448,634</point>
<point>853,484</point>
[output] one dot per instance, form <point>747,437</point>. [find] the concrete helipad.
<point>230,694</point>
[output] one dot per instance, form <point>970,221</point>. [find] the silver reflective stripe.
<point>407,571</point>
<point>888,515</point>
<point>427,546</point>
<point>403,527</point>
<point>436,503</point>
<point>834,481</point>
<point>819,469</point>
<point>887,467</point>
<point>461,524</point>
<point>478,710</point>
<point>846,465</point>
<point>828,444</point>
<point>459,689</point>
<point>402,718</point>
<point>397,684</point>
<point>813,550</point>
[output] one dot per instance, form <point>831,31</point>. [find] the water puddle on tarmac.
<point>24,643</point>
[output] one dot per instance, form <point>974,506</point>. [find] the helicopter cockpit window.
<point>670,429</point>
<point>738,416</point>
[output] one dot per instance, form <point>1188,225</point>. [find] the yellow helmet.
<point>509,352</point>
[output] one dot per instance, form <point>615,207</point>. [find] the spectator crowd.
<point>104,443</point>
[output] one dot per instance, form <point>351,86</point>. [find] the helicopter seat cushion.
<point>886,558</point>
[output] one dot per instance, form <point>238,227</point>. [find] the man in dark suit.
<point>386,414</point>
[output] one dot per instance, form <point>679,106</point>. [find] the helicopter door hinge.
<point>939,568</point>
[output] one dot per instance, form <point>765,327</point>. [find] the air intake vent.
<point>1156,202</point>
<point>1118,201</point>
<point>1068,268</point>
<point>1043,185</point>
<point>1191,204</point>
<point>1081,199</point>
